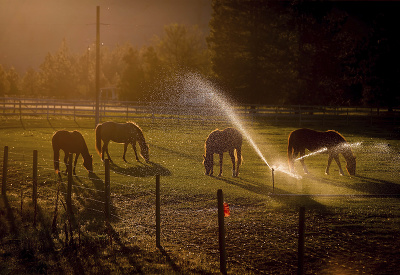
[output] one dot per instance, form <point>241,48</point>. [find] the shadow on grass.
<point>9,214</point>
<point>279,195</point>
<point>142,170</point>
<point>169,260</point>
<point>181,154</point>
<point>368,185</point>
<point>376,186</point>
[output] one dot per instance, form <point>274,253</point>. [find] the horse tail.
<point>98,139</point>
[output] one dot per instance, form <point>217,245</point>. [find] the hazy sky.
<point>29,29</point>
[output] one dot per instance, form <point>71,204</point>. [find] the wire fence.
<point>25,107</point>
<point>259,238</point>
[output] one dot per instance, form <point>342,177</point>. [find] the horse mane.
<point>85,152</point>
<point>344,147</point>
<point>137,127</point>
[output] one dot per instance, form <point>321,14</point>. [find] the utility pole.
<point>97,120</point>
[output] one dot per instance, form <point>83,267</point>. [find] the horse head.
<point>351,165</point>
<point>208,164</point>
<point>88,163</point>
<point>350,161</point>
<point>144,152</point>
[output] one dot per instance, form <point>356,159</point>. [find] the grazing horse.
<point>219,142</point>
<point>330,141</point>
<point>74,143</point>
<point>127,133</point>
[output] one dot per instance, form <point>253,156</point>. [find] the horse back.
<point>118,132</point>
<point>69,142</point>
<point>222,141</point>
<point>312,140</point>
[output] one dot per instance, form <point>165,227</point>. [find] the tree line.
<point>137,73</point>
<point>269,52</point>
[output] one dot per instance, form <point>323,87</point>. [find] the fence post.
<point>300,269</point>
<point>158,207</point>
<point>69,187</point>
<point>5,164</point>
<point>221,226</point>
<point>107,189</point>
<point>34,183</point>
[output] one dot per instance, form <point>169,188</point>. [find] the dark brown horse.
<point>127,133</point>
<point>219,142</point>
<point>330,141</point>
<point>74,143</point>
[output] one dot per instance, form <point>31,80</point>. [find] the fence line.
<point>158,229</point>
<point>22,107</point>
<point>70,186</point>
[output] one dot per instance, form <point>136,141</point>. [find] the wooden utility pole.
<point>97,120</point>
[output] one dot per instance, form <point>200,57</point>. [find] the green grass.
<point>343,230</point>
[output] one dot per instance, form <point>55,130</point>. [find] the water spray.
<point>196,82</point>
<point>313,153</point>
<point>273,180</point>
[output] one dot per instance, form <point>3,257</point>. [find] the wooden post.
<point>4,179</point>
<point>158,207</point>
<point>34,183</point>
<point>300,269</point>
<point>97,92</point>
<point>221,226</point>
<point>107,189</point>
<point>69,187</point>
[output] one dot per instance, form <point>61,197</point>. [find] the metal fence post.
<point>34,183</point>
<point>158,207</point>
<point>221,226</point>
<point>300,269</point>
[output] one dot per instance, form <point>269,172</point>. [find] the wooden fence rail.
<point>23,107</point>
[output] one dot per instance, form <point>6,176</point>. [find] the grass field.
<point>352,226</point>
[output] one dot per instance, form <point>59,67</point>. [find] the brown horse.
<point>330,141</point>
<point>219,142</point>
<point>70,142</point>
<point>127,133</point>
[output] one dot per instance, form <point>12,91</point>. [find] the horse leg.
<point>336,157</point>
<point>134,149</point>
<point>302,153</point>
<point>76,160</point>
<point>239,160</point>
<point>125,148</point>
<point>232,155</point>
<point>66,161</point>
<point>291,157</point>
<point>105,150</point>
<point>329,164</point>
<point>221,156</point>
